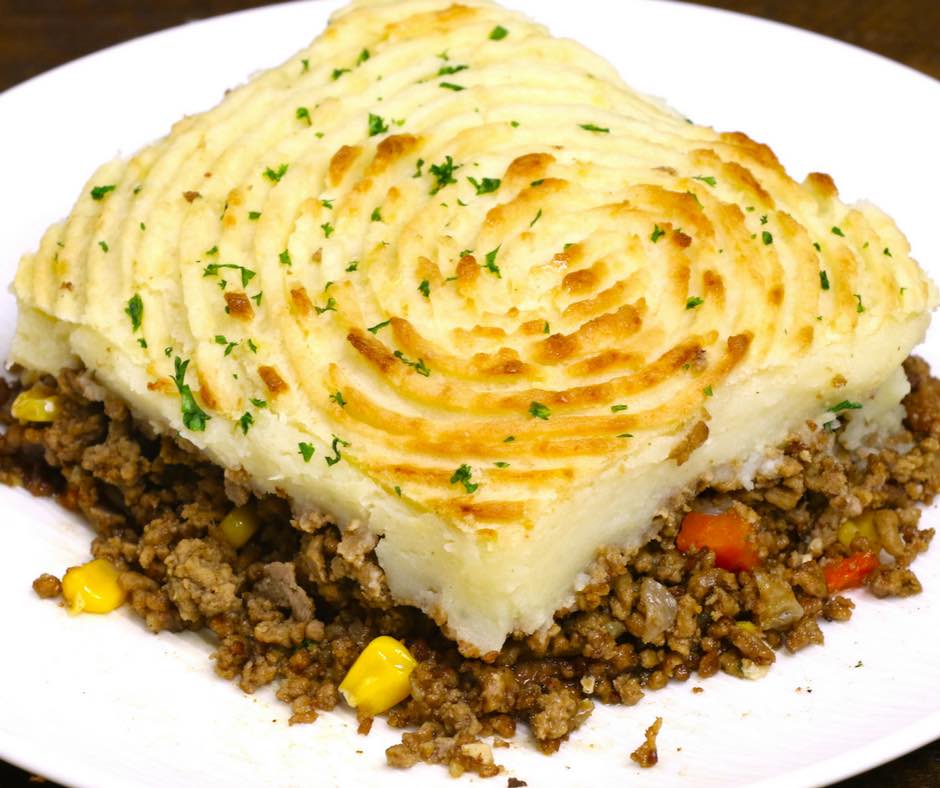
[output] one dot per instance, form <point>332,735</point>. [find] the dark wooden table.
<point>36,35</point>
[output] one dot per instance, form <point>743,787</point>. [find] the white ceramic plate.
<point>97,701</point>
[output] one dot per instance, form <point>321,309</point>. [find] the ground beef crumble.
<point>300,601</point>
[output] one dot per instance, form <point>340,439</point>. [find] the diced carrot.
<point>726,535</point>
<point>850,572</point>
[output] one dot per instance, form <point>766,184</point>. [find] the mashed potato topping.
<point>445,275</point>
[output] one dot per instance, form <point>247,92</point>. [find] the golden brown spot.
<point>190,196</point>
<point>468,271</point>
<point>163,385</point>
<point>805,337</point>
<point>738,346</point>
<point>683,240</point>
<point>66,286</point>
<point>373,350</point>
<point>607,361</point>
<point>608,330</point>
<point>486,511</point>
<point>273,380</point>
<point>755,150</point>
<point>235,197</point>
<point>317,256</point>
<point>822,185</point>
<point>390,150</point>
<point>342,162</point>
<point>530,167</point>
<point>238,305</point>
<point>505,362</point>
<point>229,220</point>
<point>556,349</point>
<point>532,327</point>
<point>839,382</point>
<point>684,448</point>
<point>580,282</point>
<point>746,180</point>
<point>667,170</point>
<point>714,286</point>
<point>206,394</point>
<point>775,296</point>
<point>301,301</point>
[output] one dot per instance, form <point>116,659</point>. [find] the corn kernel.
<point>380,677</point>
<point>863,525</point>
<point>239,525</point>
<point>92,587</point>
<point>35,405</point>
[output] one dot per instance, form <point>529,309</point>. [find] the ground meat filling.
<point>297,604</point>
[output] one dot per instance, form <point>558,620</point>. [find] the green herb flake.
<point>418,167</point>
<point>212,252</point>
<point>444,174</point>
<point>194,417</point>
<point>816,246</point>
<point>306,451</point>
<point>99,192</point>
<point>254,215</point>
<point>376,215</point>
<point>304,114</point>
<point>845,405</point>
<point>135,311</point>
<point>859,307</point>
<point>246,421</point>
<point>213,269</point>
<point>709,179</point>
<point>509,439</point>
<point>617,408</point>
<point>330,306</point>
<point>376,125</point>
<point>378,327</point>
<point>498,33</point>
<point>486,186</point>
<point>143,343</point>
<point>625,435</point>
<point>328,204</point>
<point>462,476</point>
<point>535,220</point>
<point>353,266</point>
<point>284,257</point>
<point>257,298</point>
<point>418,366</point>
<point>763,219</point>
<point>168,351</point>
<point>252,346</point>
<point>539,411</point>
<point>546,328</point>
<point>275,175</point>
<point>490,264</point>
<point>143,227</point>
<point>328,229</point>
<point>536,184</point>
<point>104,246</point>
<point>338,72</point>
<point>594,128</point>
<point>363,57</point>
<point>452,86</point>
<point>259,403</point>
<point>824,280</point>
<point>448,70</point>
<point>338,399</point>
<point>838,231</point>
<point>514,123</point>
<point>767,238</point>
<point>397,490</point>
<point>658,233</point>
<point>694,302</point>
<point>887,252</point>
<point>337,456</point>
<point>304,65</point>
<point>709,391</point>
<point>425,288</point>
<point>501,464</point>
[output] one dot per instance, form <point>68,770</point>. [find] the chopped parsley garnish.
<point>617,408</point>
<point>254,215</point>
<point>363,57</point>
<point>104,246</point>
<point>501,464</point>
<point>229,346</point>
<point>509,439</point>
<point>498,33</point>
<point>418,366</point>
<point>462,476</point>
<point>817,246</point>
<point>490,264</point>
<point>515,124</point>
<point>306,451</point>
<point>625,435</point>
<point>378,327</point>
<point>594,128</point>
<point>418,168</point>
<point>259,403</point>
<point>444,173</point>
<point>168,351</point>
<point>486,186</point>
<point>452,86</point>
<point>99,192</point>
<point>860,307</point>
<point>304,114</point>
<point>328,204</point>
<point>763,219</point>
<point>824,280</point>
<point>246,421</point>
<point>143,227</point>
<point>353,266</point>
<point>537,217</point>
<point>694,302</point>
<point>546,328</point>
<point>838,231</point>
<point>194,417</point>
<point>337,442</point>
<point>536,184</point>
<point>275,175</point>
<point>330,306</point>
<point>328,229</point>
<point>376,125</point>
<point>845,405</point>
<point>135,311</point>
<point>252,346</point>
<point>213,269</point>
<point>709,391</point>
<point>425,288</point>
<point>658,233</point>
<point>257,298</point>
<point>338,72</point>
<point>447,70</point>
<point>539,411</point>
<point>212,252</point>
<point>709,179</point>
<point>397,490</point>
<point>376,215</point>
<point>142,342</point>
<point>887,252</point>
<point>305,65</point>
<point>284,257</point>
<point>338,399</point>
<point>767,238</point>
